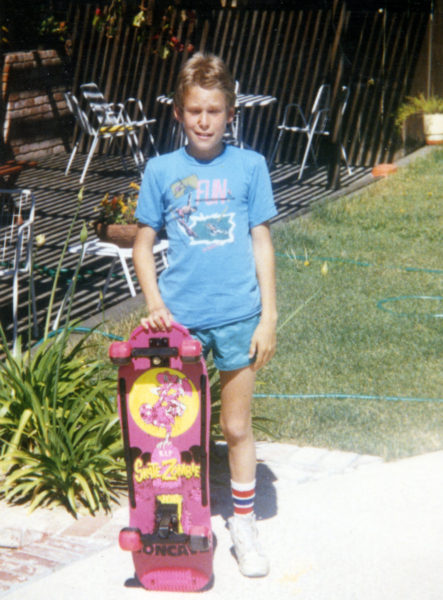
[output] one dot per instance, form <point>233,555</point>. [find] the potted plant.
<point>116,222</point>
<point>429,111</point>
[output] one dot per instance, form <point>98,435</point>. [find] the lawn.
<point>358,365</point>
<point>360,315</point>
<point>363,276</point>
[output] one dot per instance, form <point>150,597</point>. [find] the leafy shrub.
<point>61,438</point>
<point>59,430</point>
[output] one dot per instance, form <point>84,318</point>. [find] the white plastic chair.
<point>17,212</point>
<point>106,129</point>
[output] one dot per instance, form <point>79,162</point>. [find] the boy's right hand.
<point>159,319</point>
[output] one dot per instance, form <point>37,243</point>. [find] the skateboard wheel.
<point>120,353</point>
<point>199,538</point>
<point>130,539</point>
<point>190,350</point>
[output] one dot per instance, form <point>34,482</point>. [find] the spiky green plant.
<point>65,452</point>
<point>59,430</point>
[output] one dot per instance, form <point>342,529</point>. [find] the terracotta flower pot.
<point>115,233</point>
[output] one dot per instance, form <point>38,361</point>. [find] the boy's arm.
<point>159,317</point>
<point>264,339</point>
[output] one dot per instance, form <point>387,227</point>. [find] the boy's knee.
<point>236,431</point>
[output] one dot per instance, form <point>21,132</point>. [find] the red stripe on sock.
<point>247,494</point>
<point>243,511</point>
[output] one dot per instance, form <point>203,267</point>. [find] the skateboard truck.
<point>166,516</point>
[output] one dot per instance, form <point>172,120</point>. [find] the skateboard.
<point>164,407</point>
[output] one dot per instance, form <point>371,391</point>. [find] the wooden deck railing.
<point>284,53</point>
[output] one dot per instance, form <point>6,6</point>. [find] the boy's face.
<point>204,117</point>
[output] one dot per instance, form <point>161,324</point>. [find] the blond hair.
<point>207,71</point>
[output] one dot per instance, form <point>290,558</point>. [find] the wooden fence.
<point>284,53</point>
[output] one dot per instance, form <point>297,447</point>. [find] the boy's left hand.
<point>263,344</point>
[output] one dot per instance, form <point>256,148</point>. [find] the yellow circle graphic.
<point>163,401</point>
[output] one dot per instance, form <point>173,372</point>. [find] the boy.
<point>215,201</point>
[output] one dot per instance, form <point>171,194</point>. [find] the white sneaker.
<point>250,557</point>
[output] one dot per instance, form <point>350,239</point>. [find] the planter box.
<point>120,235</point>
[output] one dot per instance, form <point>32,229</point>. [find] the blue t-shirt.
<point>208,209</point>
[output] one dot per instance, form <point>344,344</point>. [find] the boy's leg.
<point>236,422</point>
<point>236,396</point>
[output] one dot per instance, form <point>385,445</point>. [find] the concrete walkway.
<point>336,526</point>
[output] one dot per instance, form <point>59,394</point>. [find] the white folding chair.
<point>17,212</point>
<point>294,121</point>
<point>317,123</point>
<point>106,129</point>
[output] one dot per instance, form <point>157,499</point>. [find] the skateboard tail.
<point>174,579</point>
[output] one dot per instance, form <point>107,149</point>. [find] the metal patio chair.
<point>17,212</point>
<point>129,111</point>
<point>111,129</point>
<point>317,124</point>
<point>95,103</point>
<point>133,113</point>
<point>294,121</point>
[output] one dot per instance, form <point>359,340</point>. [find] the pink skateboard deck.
<point>164,407</point>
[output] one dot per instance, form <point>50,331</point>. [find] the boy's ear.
<point>231,114</point>
<point>178,113</point>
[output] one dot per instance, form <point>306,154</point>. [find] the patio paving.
<point>56,197</point>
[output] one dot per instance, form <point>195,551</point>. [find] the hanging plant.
<point>156,19</point>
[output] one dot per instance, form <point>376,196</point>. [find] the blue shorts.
<point>229,343</point>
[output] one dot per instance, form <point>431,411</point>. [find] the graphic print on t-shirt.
<point>209,229</point>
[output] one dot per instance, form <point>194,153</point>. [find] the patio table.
<point>249,101</point>
<point>242,102</point>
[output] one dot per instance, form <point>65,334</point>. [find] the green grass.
<point>340,338</point>
<point>385,242</point>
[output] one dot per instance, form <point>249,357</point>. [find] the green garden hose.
<point>381,303</point>
<point>359,263</point>
<point>52,334</point>
<point>349,396</point>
